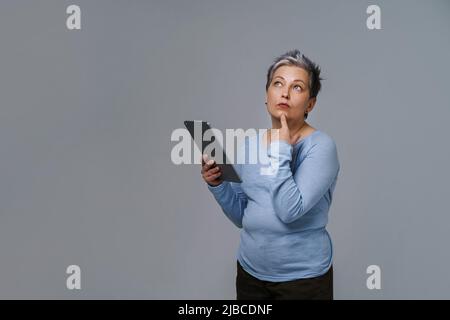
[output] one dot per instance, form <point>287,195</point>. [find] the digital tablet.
<point>227,169</point>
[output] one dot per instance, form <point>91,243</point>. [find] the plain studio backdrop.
<point>86,117</point>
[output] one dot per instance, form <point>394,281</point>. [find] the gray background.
<point>86,118</point>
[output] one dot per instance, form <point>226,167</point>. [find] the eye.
<point>298,88</point>
<point>277,83</point>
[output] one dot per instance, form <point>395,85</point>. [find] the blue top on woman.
<point>283,216</point>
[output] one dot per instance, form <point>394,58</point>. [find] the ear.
<point>311,104</point>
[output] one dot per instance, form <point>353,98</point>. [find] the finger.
<point>204,159</point>
<point>284,121</point>
<point>214,176</point>
<point>212,171</point>
<point>208,165</point>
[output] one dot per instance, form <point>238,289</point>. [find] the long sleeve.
<point>293,196</point>
<point>231,199</point>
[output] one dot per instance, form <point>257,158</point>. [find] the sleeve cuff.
<point>281,149</point>
<point>218,188</point>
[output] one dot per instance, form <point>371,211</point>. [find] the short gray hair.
<point>296,58</point>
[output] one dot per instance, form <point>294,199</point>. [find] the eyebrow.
<point>294,80</point>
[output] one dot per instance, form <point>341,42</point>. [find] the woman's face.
<point>289,93</point>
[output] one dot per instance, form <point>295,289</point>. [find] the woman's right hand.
<point>210,171</point>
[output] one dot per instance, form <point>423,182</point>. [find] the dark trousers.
<point>250,288</point>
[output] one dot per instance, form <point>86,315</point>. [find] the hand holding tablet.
<point>212,172</point>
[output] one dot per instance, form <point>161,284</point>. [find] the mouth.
<point>283,106</point>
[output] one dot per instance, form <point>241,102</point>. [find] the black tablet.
<point>227,169</point>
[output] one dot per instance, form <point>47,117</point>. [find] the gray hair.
<point>296,58</point>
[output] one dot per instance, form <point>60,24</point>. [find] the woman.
<point>285,251</point>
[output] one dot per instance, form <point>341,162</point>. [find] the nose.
<point>285,93</point>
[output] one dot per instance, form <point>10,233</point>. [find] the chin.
<point>277,112</point>
<point>280,112</point>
